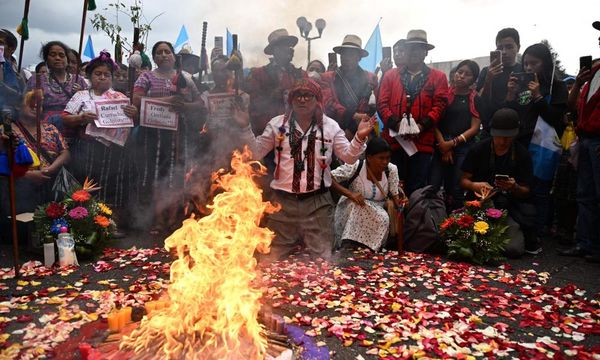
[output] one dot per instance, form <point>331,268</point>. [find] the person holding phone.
<point>455,132</point>
<point>493,79</point>
<point>586,96</point>
<point>347,89</point>
<point>544,97</point>
<point>12,84</point>
<point>502,165</point>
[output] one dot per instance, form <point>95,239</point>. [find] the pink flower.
<point>78,213</point>
<point>493,213</point>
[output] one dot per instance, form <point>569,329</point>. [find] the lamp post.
<point>305,27</point>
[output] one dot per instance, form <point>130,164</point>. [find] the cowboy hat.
<point>278,37</point>
<point>351,42</point>
<point>418,37</point>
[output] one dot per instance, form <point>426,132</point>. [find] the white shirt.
<point>594,85</point>
<point>335,143</point>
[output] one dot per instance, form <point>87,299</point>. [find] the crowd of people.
<point>316,132</point>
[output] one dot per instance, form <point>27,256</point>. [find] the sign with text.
<point>111,115</point>
<point>220,109</point>
<point>158,114</point>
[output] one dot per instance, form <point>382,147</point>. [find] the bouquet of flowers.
<point>475,233</point>
<point>88,220</point>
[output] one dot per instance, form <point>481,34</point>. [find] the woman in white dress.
<point>360,214</point>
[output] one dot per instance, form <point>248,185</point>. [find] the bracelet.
<point>463,138</point>
<point>359,140</point>
<point>454,142</point>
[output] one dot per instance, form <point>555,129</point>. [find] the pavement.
<point>361,305</point>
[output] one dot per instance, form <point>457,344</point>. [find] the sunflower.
<point>481,227</point>
<point>105,209</point>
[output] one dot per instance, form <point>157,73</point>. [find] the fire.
<point>213,306</point>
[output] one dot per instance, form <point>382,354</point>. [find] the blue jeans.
<point>543,204</point>
<point>588,195</point>
<point>448,176</point>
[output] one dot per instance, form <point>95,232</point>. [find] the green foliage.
<point>475,234</point>
<point>559,70</point>
<point>134,13</point>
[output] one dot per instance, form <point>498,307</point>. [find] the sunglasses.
<point>304,96</point>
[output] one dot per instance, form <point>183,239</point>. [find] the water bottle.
<point>66,249</point>
<point>49,258</point>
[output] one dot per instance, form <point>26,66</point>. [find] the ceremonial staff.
<point>23,30</point>
<point>203,54</point>
<point>91,6</point>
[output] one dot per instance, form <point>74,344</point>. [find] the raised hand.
<point>365,127</point>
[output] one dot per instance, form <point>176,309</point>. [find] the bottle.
<point>66,248</point>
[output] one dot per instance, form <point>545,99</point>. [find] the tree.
<point>559,70</point>
<point>134,13</point>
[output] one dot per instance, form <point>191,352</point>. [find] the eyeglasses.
<point>304,96</point>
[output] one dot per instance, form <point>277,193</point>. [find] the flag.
<point>23,29</point>
<point>89,49</point>
<point>545,149</point>
<point>374,47</point>
<point>182,39</point>
<point>229,38</point>
<point>91,5</point>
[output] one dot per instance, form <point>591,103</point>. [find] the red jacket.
<point>431,102</point>
<point>333,107</point>
<point>267,87</point>
<point>588,122</point>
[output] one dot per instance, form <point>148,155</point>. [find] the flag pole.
<point>25,32</point>
<point>83,17</point>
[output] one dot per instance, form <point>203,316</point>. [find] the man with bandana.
<point>304,141</point>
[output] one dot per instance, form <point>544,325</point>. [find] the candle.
<point>124,317</point>
<point>84,350</point>
<point>113,321</point>
<point>150,306</point>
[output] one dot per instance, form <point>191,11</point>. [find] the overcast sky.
<point>459,29</point>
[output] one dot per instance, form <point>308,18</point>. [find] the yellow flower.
<point>105,209</point>
<point>481,227</point>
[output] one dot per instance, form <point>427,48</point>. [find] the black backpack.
<point>425,212</point>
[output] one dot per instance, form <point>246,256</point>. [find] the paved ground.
<point>362,305</point>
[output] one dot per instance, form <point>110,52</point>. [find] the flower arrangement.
<point>88,220</point>
<point>475,233</point>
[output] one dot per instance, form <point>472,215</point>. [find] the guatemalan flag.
<point>545,149</point>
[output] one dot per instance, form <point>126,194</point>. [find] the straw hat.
<point>418,37</point>
<point>278,37</point>
<point>351,42</point>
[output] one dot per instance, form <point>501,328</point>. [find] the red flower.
<point>55,210</point>
<point>447,223</point>
<point>81,196</point>
<point>474,203</point>
<point>465,221</point>
<point>102,221</point>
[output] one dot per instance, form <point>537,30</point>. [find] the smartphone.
<point>219,43</point>
<point>387,52</point>
<point>496,56</point>
<point>501,177</point>
<point>524,79</point>
<point>585,62</point>
<point>332,58</point>
<point>235,41</point>
<point>1,53</point>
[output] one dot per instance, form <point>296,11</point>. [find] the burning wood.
<point>213,306</point>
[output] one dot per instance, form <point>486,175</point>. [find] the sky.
<point>459,29</point>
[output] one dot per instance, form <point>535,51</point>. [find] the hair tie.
<point>104,56</point>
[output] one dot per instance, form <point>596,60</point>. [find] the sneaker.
<point>533,247</point>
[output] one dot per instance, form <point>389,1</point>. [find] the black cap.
<point>596,25</point>
<point>505,122</point>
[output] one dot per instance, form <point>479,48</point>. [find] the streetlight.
<point>305,27</point>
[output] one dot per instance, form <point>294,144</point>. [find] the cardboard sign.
<point>158,114</point>
<point>220,109</point>
<point>111,115</point>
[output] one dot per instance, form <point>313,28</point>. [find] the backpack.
<point>426,211</point>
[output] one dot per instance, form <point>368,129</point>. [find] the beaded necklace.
<point>55,86</point>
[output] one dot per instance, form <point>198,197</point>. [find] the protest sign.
<point>158,114</point>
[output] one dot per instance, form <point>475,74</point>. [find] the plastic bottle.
<point>49,258</point>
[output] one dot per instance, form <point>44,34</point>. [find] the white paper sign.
<point>408,145</point>
<point>220,109</point>
<point>158,114</point>
<point>111,115</point>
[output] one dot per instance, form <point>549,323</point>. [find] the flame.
<point>213,306</point>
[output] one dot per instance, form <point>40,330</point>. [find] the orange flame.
<point>213,306</point>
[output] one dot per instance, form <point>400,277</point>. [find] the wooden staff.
<point>11,187</point>
<point>83,17</point>
<point>131,70</point>
<point>203,54</point>
<point>236,81</point>
<point>38,113</point>
<point>25,17</point>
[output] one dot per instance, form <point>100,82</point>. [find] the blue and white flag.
<point>545,149</point>
<point>182,39</point>
<point>88,51</point>
<point>229,40</point>
<point>374,47</point>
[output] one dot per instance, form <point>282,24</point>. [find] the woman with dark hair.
<point>360,215</point>
<point>99,153</point>
<point>58,86</point>
<point>161,154</point>
<point>543,98</point>
<point>12,83</point>
<point>455,133</point>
